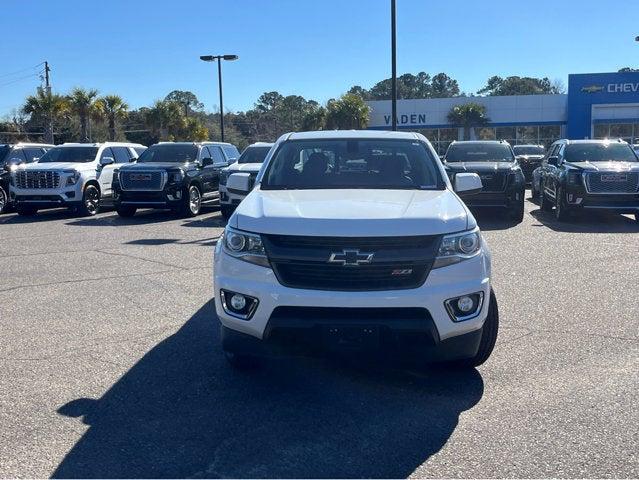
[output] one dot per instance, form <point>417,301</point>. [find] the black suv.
<point>178,176</point>
<point>529,158</point>
<point>11,156</point>
<point>589,174</point>
<point>503,183</point>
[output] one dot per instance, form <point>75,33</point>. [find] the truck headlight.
<point>224,177</point>
<point>73,178</point>
<point>244,246</point>
<point>458,247</point>
<point>176,176</point>
<point>574,178</point>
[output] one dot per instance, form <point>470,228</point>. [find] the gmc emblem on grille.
<point>351,258</point>
<point>614,177</point>
<point>140,176</point>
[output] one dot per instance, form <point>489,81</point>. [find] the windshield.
<point>253,155</point>
<point>479,152</point>
<point>372,164</point>
<point>528,150</point>
<point>70,155</point>
<point>599,152</point>
<point>169,153</point>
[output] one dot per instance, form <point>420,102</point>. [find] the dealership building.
<point>598,105</point>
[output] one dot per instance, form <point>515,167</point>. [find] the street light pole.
<point>219,58</point>
<point>393,67</point>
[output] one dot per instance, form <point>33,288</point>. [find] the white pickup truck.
<point>356,241</point>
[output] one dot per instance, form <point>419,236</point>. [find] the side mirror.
<point>554,160</point>
<point>35,159</point>
<point>207,161</point>
<point>104,161</point>
<point>239,183</point>
<point>467,184</point>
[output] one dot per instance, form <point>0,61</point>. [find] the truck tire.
<point>192,202</point>
<point>26,211</point>
<point>488,337</point>
<point>517,214</point>
<point>544,203</point>
<point>4,200</point>
<point>562,213</point>
<point>90,201</point>
<point>126,212</point>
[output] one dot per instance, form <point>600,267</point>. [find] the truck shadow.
<point>590,222</point>
<point>181,412</point>
<point>493,219</point>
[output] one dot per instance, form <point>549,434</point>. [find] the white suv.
<point>250,163</point>
<point>74,175</point>
<point>355,240</point>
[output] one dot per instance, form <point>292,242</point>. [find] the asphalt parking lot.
<point>110,365</point>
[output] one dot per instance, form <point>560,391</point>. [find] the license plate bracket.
<point>351,338</point>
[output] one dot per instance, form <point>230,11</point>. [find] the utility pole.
<point>393,68</point>
<point>47,89</point>
<point>46,77</point>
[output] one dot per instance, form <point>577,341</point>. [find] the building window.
<point>485,133</point>
<point>626,131</point>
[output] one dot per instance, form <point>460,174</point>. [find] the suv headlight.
<point>574,178</point>
<point>458,247</point>
<point>176,176</point>
<point>245,246</point>
<point>73,178</point>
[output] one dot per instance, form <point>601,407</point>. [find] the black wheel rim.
<point>92,200</point>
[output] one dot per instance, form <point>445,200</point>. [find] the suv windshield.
<point>372,164</point>
<point>253,155</point>
<point>169,153</point>
<point>70,155</point>
<point>528,150</point>
<point>599,152</point>
<point>479,152</point>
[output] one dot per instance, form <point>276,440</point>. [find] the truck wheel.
<point>226,212</point>
<point>562,213</point>
<point>90,201</point>
<point>488,337</point>
<point>26,211</point>
<point>126,212</point>
<point>517,214</point>
<point>192,202</point>
<point>544,203</point>
<point>533,190</point>
<point>4,200</point>
<point>242,362</point>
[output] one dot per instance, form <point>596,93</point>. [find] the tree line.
<point>85,115</point>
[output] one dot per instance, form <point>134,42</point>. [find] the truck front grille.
<point>612,182</point>
<point>33,179</point>
<point>397,262</point>
<point>493,182</point>
<point>150,180</point>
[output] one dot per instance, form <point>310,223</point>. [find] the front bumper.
<point>43,198</point>
<point>506,199</point>
<point>230,198</point>
<point>577,198</point>
<point>169,198</point>
<point>442,284</point>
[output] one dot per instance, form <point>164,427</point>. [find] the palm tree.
<point>113,108</point>
<point>165,119</point>
<point>82,102</point>
<point>468,115</point>
<point>46,107</point>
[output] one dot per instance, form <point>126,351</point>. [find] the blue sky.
<point>318,49</point>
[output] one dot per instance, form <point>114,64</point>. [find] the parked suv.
<point>10,157</point>
<point>589,175</point>
<point>74,175</point>
<point>501,176</point>
<point>529,157</point>
<point>250,163</point>
<point>179,176</point>
<point>354,241</point>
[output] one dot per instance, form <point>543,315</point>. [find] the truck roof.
<point>349,134</point>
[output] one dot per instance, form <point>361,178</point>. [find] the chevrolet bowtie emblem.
<point>592,89</point>
<point>351,257</point>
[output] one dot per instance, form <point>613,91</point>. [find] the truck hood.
<point>243,167</point>
<point>151,166</point>
<point>606,166</point>
<point>479,167</point>
<point>352,212</point>
<point>57,166</point>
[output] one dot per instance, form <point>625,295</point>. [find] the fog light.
<point>238,302</point>
<point>465,304</point>
<point>238,305</point>
<point>465,307</point>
